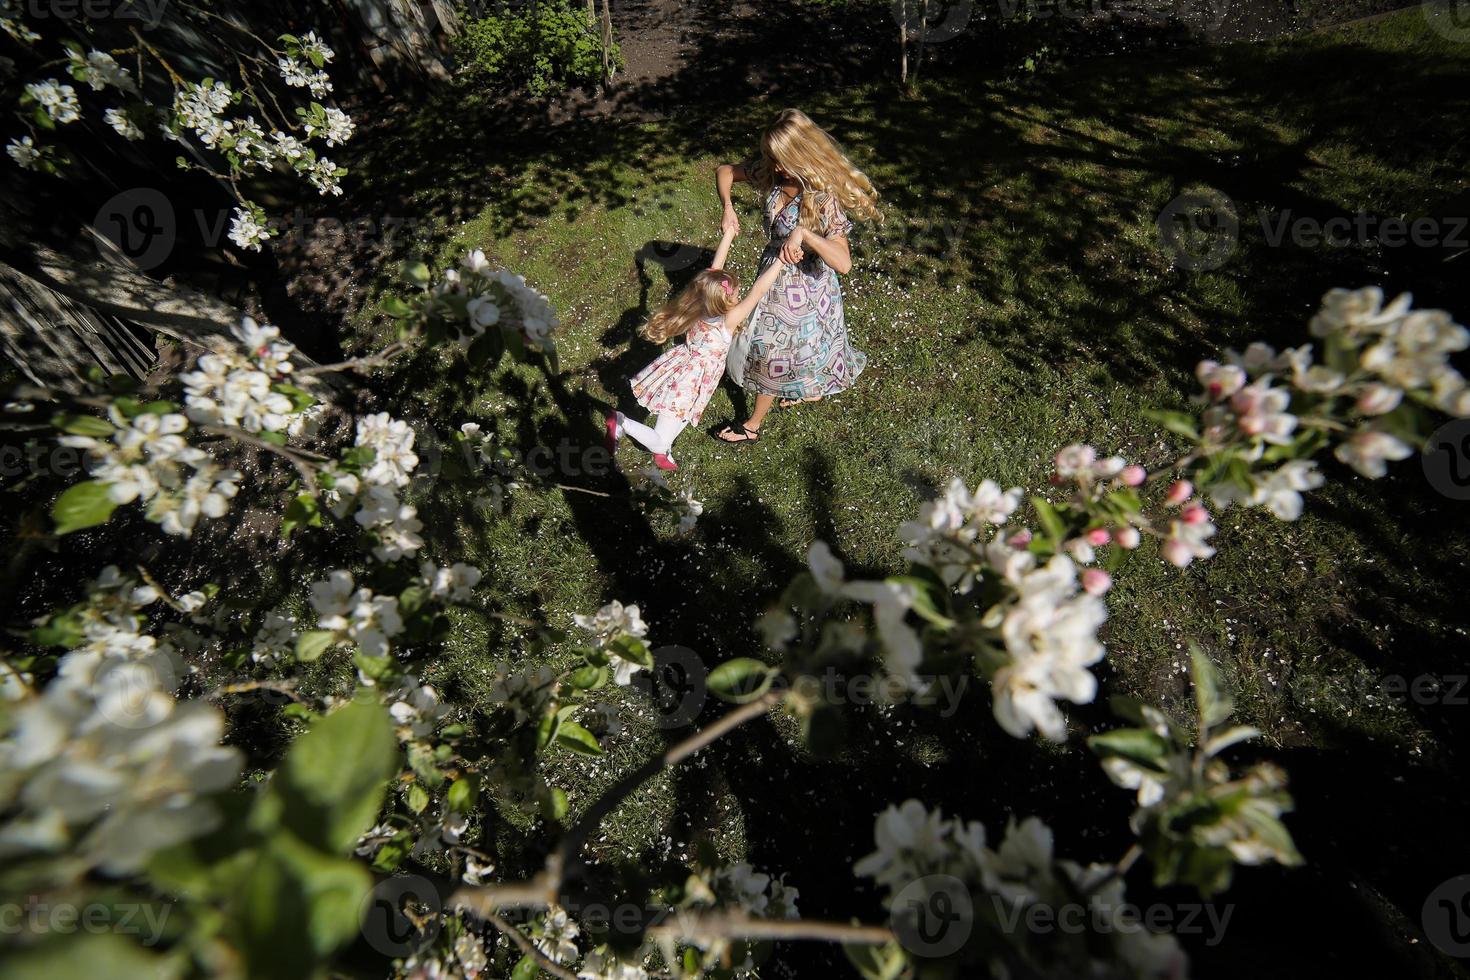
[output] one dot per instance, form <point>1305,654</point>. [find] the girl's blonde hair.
<point>711,293</point>
<point>807,152</point>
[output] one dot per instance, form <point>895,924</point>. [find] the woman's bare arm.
<point>726,176</point>
<point>834,250</point>
<point>743,309</point>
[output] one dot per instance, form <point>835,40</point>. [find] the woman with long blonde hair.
<point>678,384</point>
<point>796,348</point>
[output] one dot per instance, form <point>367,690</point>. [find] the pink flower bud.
<point>1181,491</point>
<point>1098,537</point>
<point>1177,553</point>
<point>1134,476</point>
<point>1019,540</point>
<point>1127,537</point>
<point>1195,515</point>
<point>1096,581</point>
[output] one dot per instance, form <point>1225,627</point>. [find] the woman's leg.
<point>758,414</point>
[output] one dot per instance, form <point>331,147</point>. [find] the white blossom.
<point>119,120</point>
<point>59,101</point>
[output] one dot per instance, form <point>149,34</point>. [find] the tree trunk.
<point>607,39</point>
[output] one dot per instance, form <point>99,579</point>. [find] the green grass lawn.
<point>1018,298</point>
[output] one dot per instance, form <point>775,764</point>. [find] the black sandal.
<point>738,428</point>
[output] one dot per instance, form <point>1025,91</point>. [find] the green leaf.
<point>740,680</point>
<point>100,956</point>
<point>574,738</point>
<point>274,438</point>
<point>417,273</point>
<point>396,308</point>
<point>633,649</point>
<point>588,678</point>
<point>525,969</point>
<point>1051,522</point>
<point>303,511</point>
<point>1139,745</point>
<point>313,643</point>
<point>300,400</point>
<point>299,906</point>
<point>1231,736</point>
<point>416,797</point>
<point>925,599</point>
<point>83,425</point>
<point>330,786</point>
<point>1210,693</point>
<point>555,805</point>
<point>84,505</point>
<point>877,962</point>
<point>63,629</point>
<point>464,793</point>
<point>1179,423</point>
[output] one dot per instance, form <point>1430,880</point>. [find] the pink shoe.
<point>664,462</point>
<point>614,433</point>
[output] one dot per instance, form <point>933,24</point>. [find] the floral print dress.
<point>798,343</point>
<point>681,381</point>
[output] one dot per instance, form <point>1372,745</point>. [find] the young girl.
<point>678,385</point>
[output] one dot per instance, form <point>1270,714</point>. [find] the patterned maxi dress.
<point>798,344</point>
<point>681,380</point>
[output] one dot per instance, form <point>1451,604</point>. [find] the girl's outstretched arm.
<point>743,309</point>
<point>723,251</point>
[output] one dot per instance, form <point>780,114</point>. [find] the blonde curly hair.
<point>711,293</point>
<point>796,145</point>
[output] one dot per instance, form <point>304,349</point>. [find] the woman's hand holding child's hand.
<point>791,251</point>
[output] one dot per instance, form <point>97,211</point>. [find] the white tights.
<point>660,438</point>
